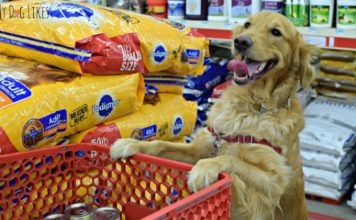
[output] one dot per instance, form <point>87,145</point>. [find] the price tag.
<point>317,41</point>
<point>339,32</point>
<point>331,42</point>
<point>312,30</point>
<point>205,23</point>
<point>227,25</point>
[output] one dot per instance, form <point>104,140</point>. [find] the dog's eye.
<point>247,25</point>
<point>276,32</point>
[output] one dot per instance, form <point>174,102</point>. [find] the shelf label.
<point>331,42</point>
<point>317,41</point>
<point>339,32</point>
<point>227,25</point>
<point>312,30</point>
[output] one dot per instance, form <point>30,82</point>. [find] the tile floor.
<point>331,212</point>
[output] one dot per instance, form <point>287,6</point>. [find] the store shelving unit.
<point>322,37</point>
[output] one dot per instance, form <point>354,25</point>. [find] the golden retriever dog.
<point>253,128</point>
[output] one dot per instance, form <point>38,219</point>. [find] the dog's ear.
<point>302,62</point>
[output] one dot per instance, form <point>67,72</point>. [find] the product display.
<point>76,76</point>
<point>346,14</point>
<point>298,11</point>
<point>337,75</point>
<point>328,144</point>
<point>40,105</point>
<point>157,8</point>
<point>176,9</point>
<point>240,10</point>
<point>321,13</point>
<point>218,10</point>
<point>101,40</point>
<point>276,6</point>
<point>166,82</point>
<point>171,118</point>
<point>196,9</point>
<point>199,89</point>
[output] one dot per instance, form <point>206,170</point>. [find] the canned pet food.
<point>56,217</point>
<point>106,213</point>
<point>79,211</point>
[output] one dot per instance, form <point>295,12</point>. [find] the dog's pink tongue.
<point>240,68</point>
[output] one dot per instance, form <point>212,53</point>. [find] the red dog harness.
<point>244,139</point>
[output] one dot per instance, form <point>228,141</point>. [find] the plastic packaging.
<point>298,12</point>
<point>240,10</point>
<point>218,10</point>
<point>196,9</point>
<point>321,13</point>
<point>346,14</point>
<point>157,8</point>
<point>40,105</point>
<point>166,82</point>
<point>83,38</point>
<point>171,118</point>
<point>273,6</point>
<point>176,10</point>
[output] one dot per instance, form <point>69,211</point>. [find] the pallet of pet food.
<point>84,38</point>
<point>82,181</point>
<point>162,121</point>
<point>328,144</point>
<point>39,105</point>
<point>337,75</point>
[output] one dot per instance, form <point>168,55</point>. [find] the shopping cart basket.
<point>37,183</point>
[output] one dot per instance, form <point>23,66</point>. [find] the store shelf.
<point>322,37</point>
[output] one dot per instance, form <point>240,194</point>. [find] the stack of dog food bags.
<point>328,144</point>
<point>199,89</point>
<point>337,76</point>
<point>79,71</point>
<point>39,104</point>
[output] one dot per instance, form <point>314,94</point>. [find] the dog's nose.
<point>242,43</point>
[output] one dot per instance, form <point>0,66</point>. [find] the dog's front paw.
<point>203,174</point>
<point>123,148</point>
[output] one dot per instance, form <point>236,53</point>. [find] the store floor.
<point>323,211</point>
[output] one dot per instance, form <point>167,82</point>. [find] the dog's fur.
<point>266,185</point>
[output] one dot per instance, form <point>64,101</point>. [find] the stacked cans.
<point>81,211</point>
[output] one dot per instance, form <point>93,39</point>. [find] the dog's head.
<point>268,49</point>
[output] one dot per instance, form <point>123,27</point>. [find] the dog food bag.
<point>166,82</point>
<point>40,105</point>
<point>84,38</point>
<point>171,118</point>
<point>214,74</point>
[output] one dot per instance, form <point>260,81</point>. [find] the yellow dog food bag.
<point>40,105</point>
<point>84,38</point>
<point>171,118</point>
<point>166,82</point>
